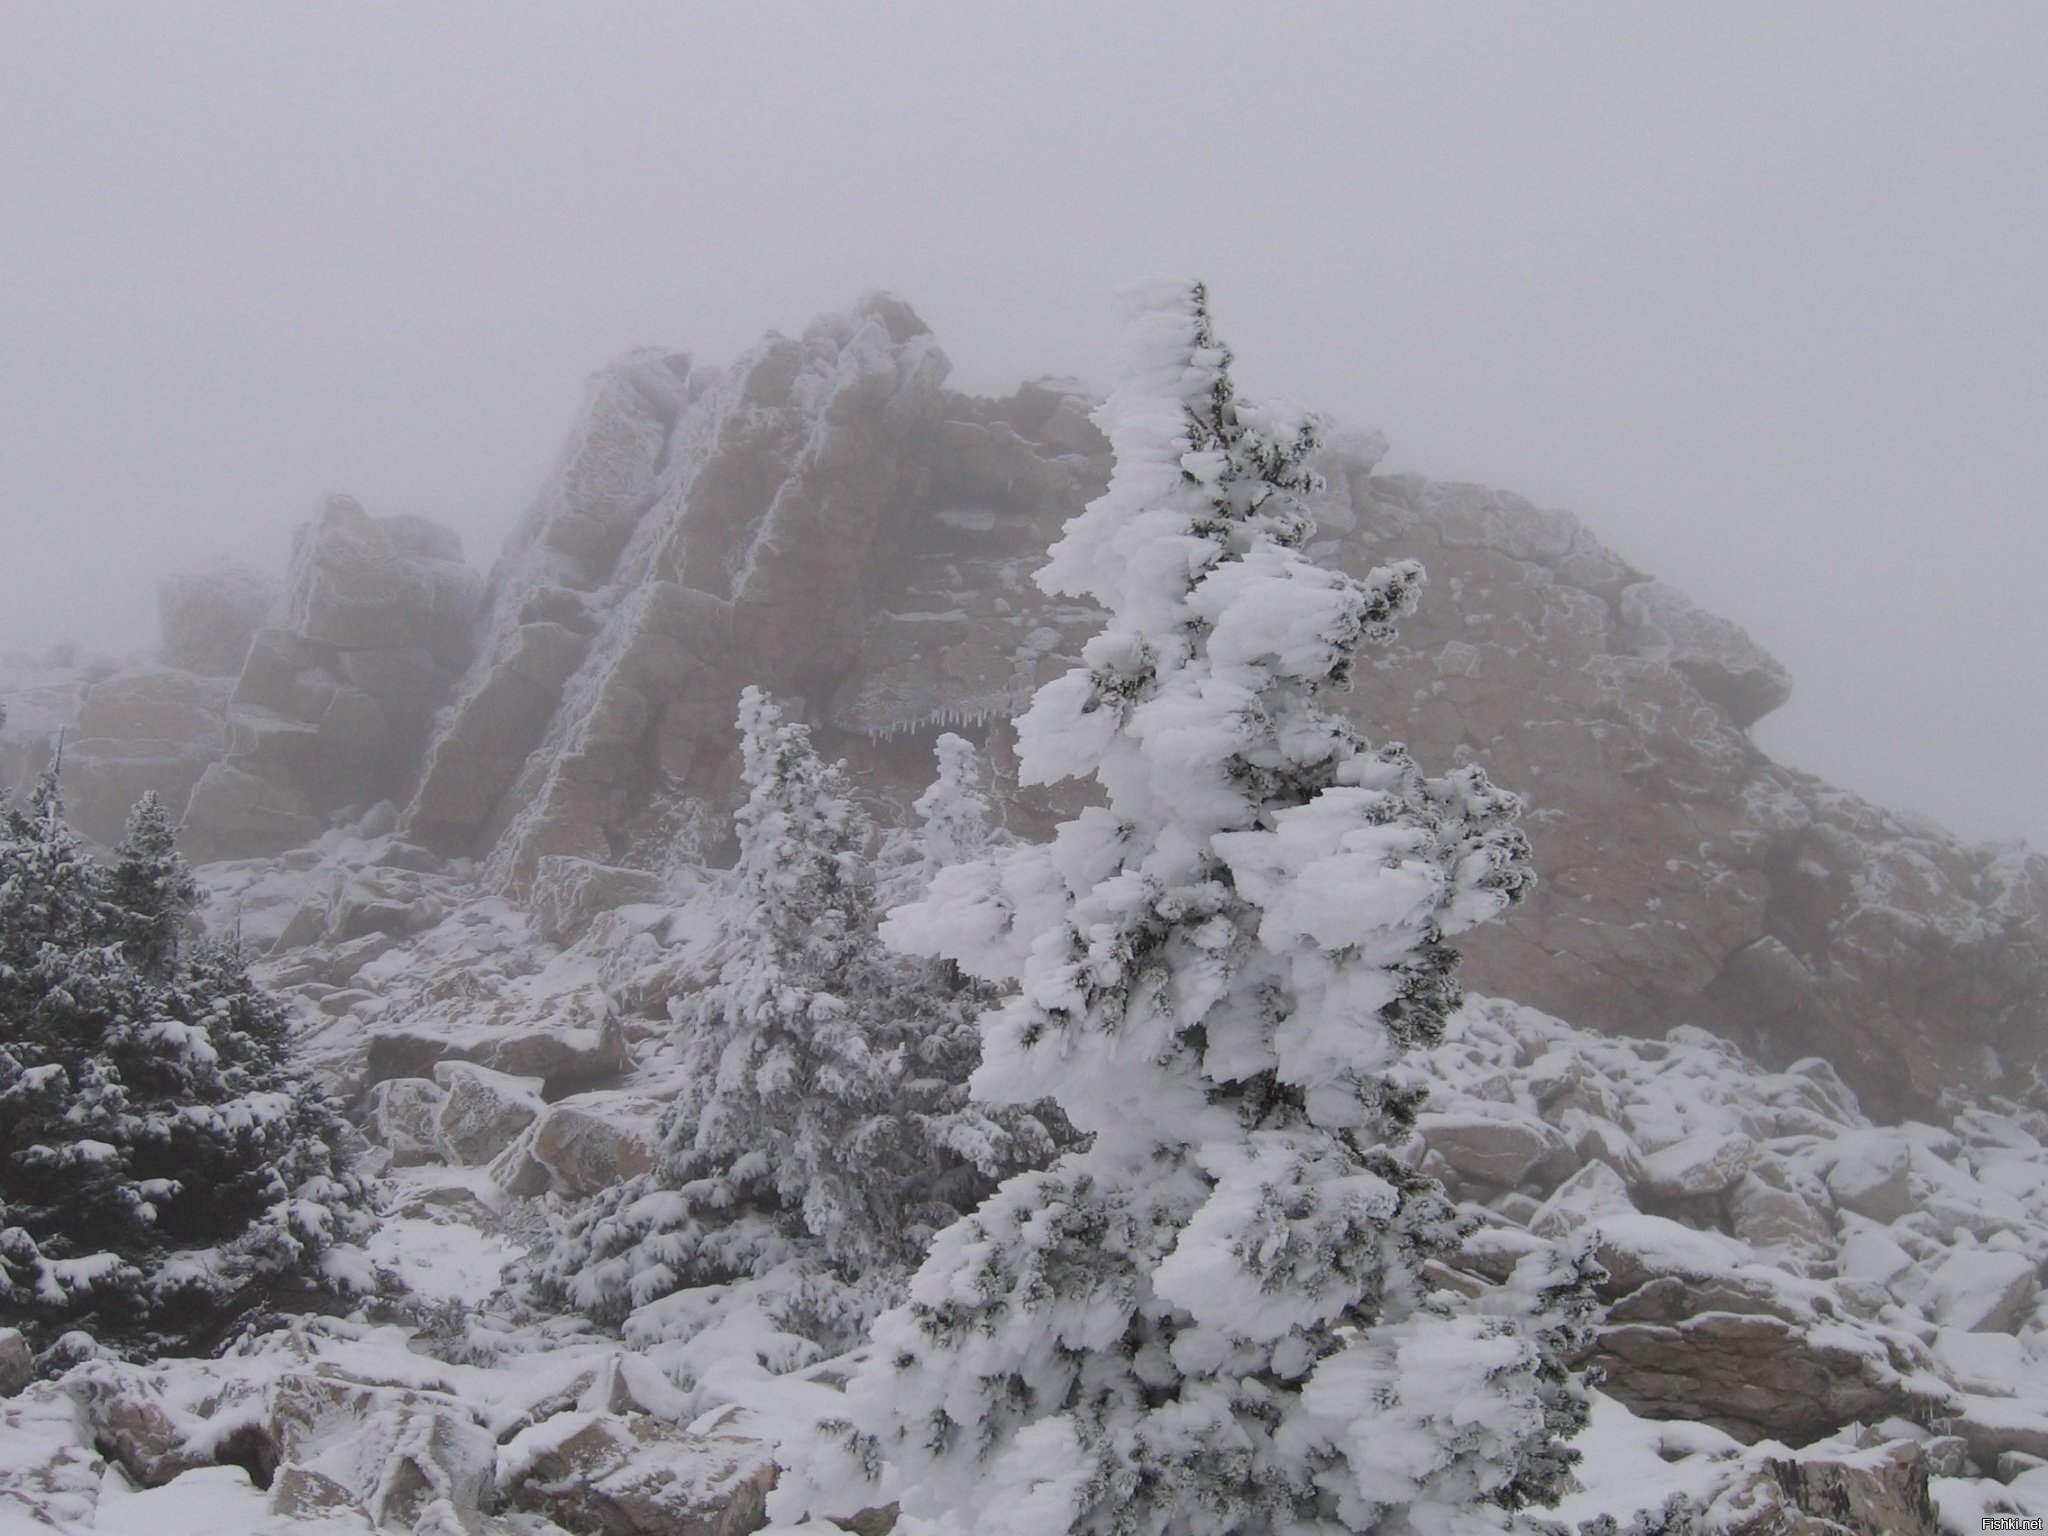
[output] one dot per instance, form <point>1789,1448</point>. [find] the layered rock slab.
<point>332,706</point>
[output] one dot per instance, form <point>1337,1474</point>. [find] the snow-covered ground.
<point>1897,1267</point>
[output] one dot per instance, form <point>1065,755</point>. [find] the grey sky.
<point>1755,289</point>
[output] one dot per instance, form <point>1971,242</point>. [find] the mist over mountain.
<point>685,849</point>
<point>1770,1051</point>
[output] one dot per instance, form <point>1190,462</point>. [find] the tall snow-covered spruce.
<point>823,1133</point>
<point>1213,1318</point>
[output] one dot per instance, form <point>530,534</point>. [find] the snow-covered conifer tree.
<point>1213,1318</point>
<point>813,1133</point>
<point>162,1169</point>
<point>954,820</point>
<point>956,817</point>
<point>150,886</point>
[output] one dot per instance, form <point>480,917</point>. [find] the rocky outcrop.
<point>1684,876</point>
<point>332,707</point>
<point>145,730</point>
<point>373,1439</point>
<point>824,517</point>
<point>704,530</point>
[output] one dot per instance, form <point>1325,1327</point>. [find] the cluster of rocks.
<point>472,1116</point>
<point>1778,1269</point>
<point>345,1429</point>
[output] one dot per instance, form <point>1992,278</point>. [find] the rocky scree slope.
<point>825,518</point>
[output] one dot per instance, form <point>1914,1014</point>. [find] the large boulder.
<point>608,1474</point>
<point>582,1145</point>
<point>1750,1373</point>
<point>207,618</point>
<point>484,1110</point>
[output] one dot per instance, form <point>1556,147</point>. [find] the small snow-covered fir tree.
<point>952,821</point>
<point>823,1129</point>
<point>162,1169</point>
<point>956,816</point>
<point>1214,1318</point>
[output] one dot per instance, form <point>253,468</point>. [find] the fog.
<point>1755,290</point>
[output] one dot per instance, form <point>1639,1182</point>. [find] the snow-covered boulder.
<point>1705,1163</point>
<point>1982,1290</point>
<point>576,1052</point>
<point>484,1110</point>
<point>616,1474</point>
<point>1494,1151</point>
<point>1872,1175</point>
<point>402,1115</point>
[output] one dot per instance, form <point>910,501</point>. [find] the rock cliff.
<point>824,516</point>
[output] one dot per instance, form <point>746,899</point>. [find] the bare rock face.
<point>331,709</point>
<point>207,618</point>
<point>1684,876</point>
<point>568,894</point>
<point>151,729</point>
<point>1660,623</point>
<point>705,530</point>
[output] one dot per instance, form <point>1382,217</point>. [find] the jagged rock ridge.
<point>825,517</point>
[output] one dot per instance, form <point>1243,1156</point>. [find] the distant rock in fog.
<point>826,518</point>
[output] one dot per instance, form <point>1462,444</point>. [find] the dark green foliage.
<point>161,1166</point>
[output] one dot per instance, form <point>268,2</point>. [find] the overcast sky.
<point>1756,290</point>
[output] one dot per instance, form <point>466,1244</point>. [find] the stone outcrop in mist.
<point>826,518</point>
<point>334,701</point>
